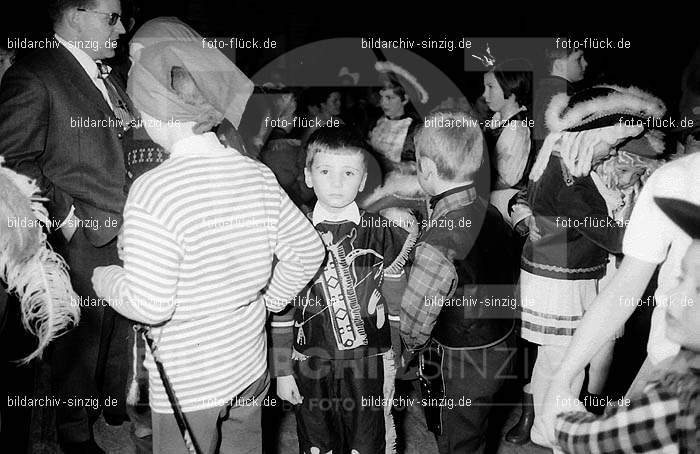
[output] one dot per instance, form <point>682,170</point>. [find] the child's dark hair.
<point>515,77</point>
<point>316,96</point>
<point>341,140</point>
<point>391,83</point>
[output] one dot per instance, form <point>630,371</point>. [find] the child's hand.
<point>287,389</point>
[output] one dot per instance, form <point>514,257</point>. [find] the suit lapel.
<point>74,73</point>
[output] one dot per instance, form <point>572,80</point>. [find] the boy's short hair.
<point>453,140</point>
<point>341,140</point>
<point>554,53</point>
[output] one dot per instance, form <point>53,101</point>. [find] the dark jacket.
<point>483,306</point>
<point>42,97</point>
<point>576,232</point>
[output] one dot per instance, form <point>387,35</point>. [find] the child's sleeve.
<point>281,342</point>
<point>399,241</point>
<point>300,253</point>
<point>144,289</point>
<point>432,280</point>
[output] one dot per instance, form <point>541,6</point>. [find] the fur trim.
<point>403,218</point>
<point>398,184</point>
<point>656,140</point>
<point>631,100</point>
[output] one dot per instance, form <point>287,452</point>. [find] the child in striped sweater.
<point>200,233</point>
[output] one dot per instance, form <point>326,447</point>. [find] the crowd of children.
<point>497,240</point>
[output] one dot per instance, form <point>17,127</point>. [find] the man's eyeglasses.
<point>113,17</point>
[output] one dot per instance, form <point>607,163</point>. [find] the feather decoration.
<point>390,67</point>
<point>28,264</point>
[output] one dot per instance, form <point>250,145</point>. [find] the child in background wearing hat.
<point>619,180</point>
<point>663,416</point>
<point>651,239</point>
<point>561,268</point>
<point>332,351</point>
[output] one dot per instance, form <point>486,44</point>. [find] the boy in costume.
<point>338,332</point>
<point>458,309</point>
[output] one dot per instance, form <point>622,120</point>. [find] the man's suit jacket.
<point>44,98</point>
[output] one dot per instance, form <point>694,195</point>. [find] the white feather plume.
<point>30,267</point>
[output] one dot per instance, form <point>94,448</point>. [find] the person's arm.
<point>431,281</point>
<point>512,151</point>
<point>280,355</point>
<point>24,123</point>
<point>647,422</point>
<point>144,289</point>
<point>300,253</point>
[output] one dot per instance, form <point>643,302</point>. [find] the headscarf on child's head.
<point>169,43</point>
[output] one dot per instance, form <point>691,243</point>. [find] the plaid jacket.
<point>663,419</point>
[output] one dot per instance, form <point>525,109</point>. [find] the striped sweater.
<point>200,232</point>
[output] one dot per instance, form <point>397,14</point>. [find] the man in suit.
<point>61,122</point>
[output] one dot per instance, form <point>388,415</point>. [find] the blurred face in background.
<point>331,107</point>
<point>391,103</point>
<point>683,313</point>
<point>576,66</point>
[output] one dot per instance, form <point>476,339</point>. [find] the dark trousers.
<point>228,429</point>
<point>472,379</point>
<point>90,365</point>
<point>337,413</point>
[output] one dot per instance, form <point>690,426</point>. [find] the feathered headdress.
<point>31,269</point>
<point>487,60</point>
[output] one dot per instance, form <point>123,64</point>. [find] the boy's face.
<point>575,66</point>
<point>336,179</point>
<point>683,314</point>
<point>391,103</point>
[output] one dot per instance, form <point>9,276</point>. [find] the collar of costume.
<point>206,144</point>
<point>402,117</point>
<point>83,58</point>
<point>452,198</point>
<point>349,213</point>
<point>224,87</point>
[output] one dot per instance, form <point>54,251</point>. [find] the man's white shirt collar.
<point>349,213</point>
